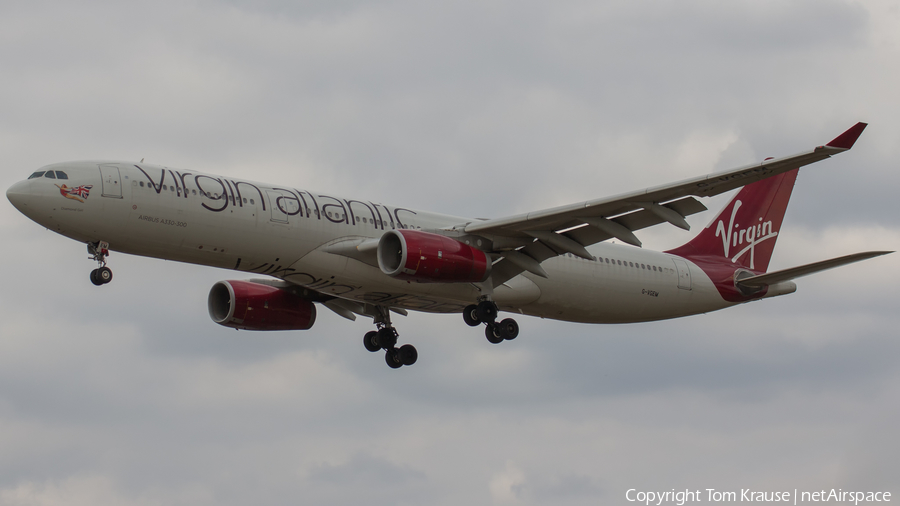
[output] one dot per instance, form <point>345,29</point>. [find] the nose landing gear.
<point>385,338</point>
<point>486,312</point>
<point>99,251</point>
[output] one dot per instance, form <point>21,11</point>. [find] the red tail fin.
<point>744,233</point>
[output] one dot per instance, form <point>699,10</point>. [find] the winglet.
<point>848,138</point>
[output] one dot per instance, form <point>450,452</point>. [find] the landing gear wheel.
<point>104,274</point>
<point>492,333</point>
<point>99,251</point>
<point>486,311</point>
<point>369,341</point>
<point>508,329</point>
<point>386,338</point>
<point>470,315</point>
<point>408,354</point>
<point>392,357</point>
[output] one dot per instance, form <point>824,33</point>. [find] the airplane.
<point>358,257</point>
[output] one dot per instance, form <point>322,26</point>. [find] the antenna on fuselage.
<point>142,160</point>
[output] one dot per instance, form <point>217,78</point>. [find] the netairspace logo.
<point>714,496</point>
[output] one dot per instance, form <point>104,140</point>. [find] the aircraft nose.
<point>18,193</point>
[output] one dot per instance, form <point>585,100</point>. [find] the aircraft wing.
<point>526,240</point>
<point>770,278</point>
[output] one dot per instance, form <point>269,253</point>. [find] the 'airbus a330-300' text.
<point>358,257</point>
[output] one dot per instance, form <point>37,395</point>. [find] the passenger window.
<point>36,174</point>
<point>245,200</point>
<point>49,175</point>
<point>171,188</point>
<point>165,187</point>
<point>620,262</point>
<point>141,184</point>
<point>61,175</point>
<point>251,202</point>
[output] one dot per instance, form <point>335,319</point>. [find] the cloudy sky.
<point>128,394</point>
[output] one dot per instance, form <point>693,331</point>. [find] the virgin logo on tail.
<point>735,237</point>
<point>748,224</point>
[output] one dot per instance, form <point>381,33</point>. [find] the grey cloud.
<point>131,394</point>
<point>364,470</point>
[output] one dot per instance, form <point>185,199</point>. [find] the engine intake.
<point>430,258</point>
<point>248,305</point>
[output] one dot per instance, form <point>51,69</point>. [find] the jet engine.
<point>430,258</point>
<point>248,305</point>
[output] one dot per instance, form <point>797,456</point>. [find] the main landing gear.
<point>385,338</point>
<point>99,251</point>
<point>486,312</point>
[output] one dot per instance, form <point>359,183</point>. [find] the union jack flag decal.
<point>78,193</point>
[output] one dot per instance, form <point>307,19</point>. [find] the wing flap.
<point>637,220</point>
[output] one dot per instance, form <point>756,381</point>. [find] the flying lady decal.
<point>78,193</point>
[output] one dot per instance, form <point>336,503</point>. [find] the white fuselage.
<point>285,232</point>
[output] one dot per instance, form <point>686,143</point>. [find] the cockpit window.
<point>61,175</point>
<point>49,175</point>
<point>36,174</point>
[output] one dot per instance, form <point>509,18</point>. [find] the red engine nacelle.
<point>254,306</point>
<point>430,258</point>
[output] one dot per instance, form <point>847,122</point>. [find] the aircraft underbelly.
<point>592,292</point>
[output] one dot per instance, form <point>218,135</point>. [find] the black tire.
<point>386,338</point>
<point>369,341</point>
<point>392,358</point>
<point>104,274</point>
<point>492,333</point>
<point>408,354</point>
<point>487,311</point>
<point>508,329</point>
<point>95,279</point>
<point>470,315</point>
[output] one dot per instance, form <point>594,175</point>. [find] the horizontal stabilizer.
<point>795,272</point>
